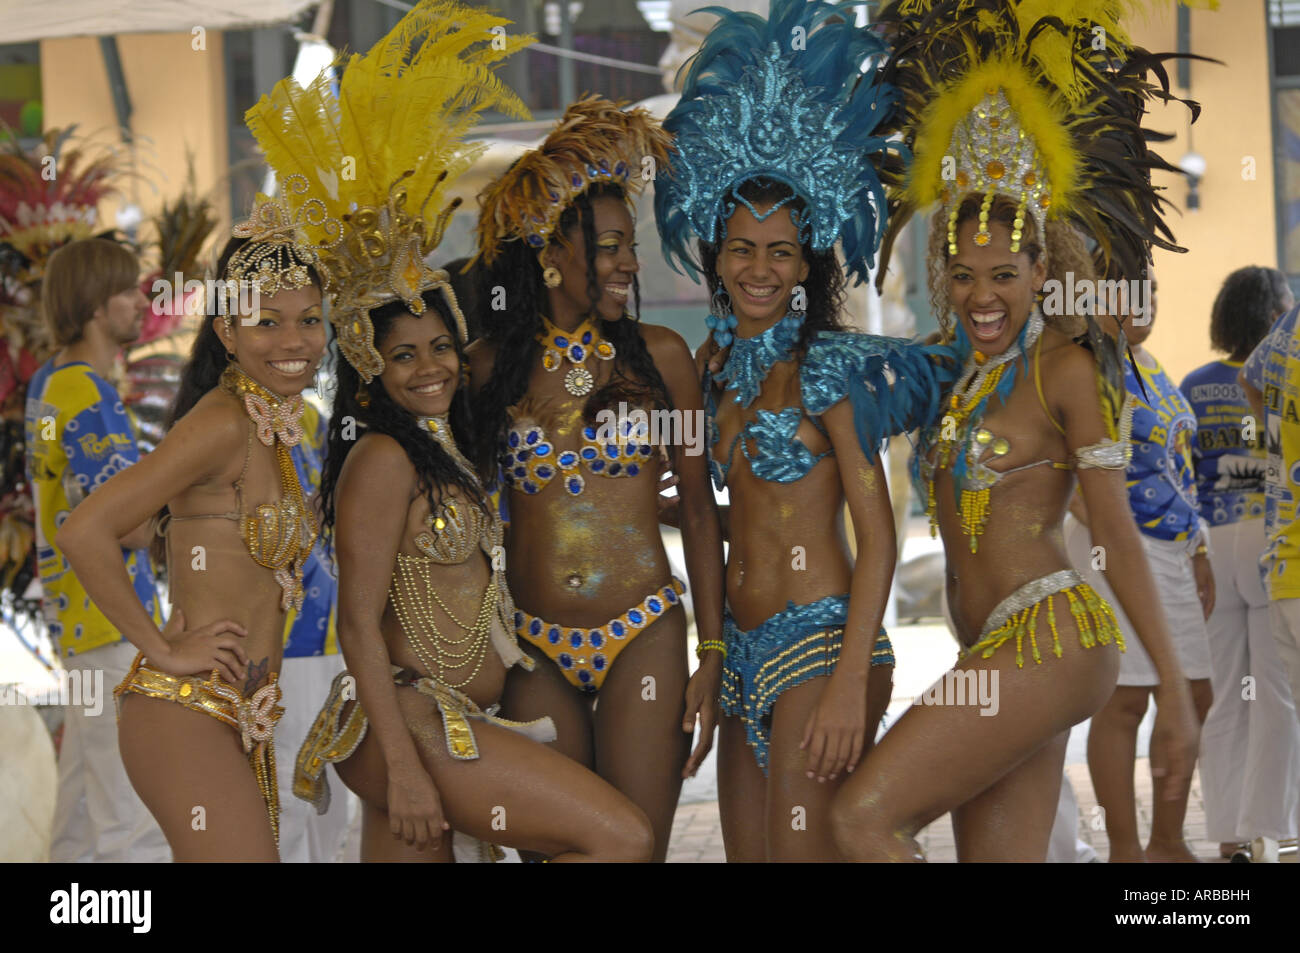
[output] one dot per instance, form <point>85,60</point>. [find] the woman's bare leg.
<point>798,820</point>
<point>1011,822</point>
<point>518,793</point>
<point>1167,845</point>
<point>936,758</point>
<point>191,772</point>
<point>742,795</point>
<point>880,689</point>
<point>640,745</point>
<point>1112,753</point>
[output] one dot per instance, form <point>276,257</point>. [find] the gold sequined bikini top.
<point>456,528</point>
<point>280,535</point>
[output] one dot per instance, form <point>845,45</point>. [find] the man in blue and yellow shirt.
<point>78,435</point>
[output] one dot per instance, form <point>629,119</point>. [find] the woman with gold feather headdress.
<point>568,381</point>
<point>238,531</point>
<point>425,617</point>
<point>1026,131</point>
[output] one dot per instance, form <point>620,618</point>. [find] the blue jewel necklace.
<point>751,358</point>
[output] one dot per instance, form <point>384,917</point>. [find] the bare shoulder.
<point>665,344</point>
<point>1064,363</point>
<point>379,461</point>
<point>217,420</point>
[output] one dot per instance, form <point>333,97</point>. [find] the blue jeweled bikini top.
<point>530,460</point>
<point>892,384</point>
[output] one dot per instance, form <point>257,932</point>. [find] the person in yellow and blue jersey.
<point>78,435</point>
<point>1161,480</point>
<point>1250,747</point>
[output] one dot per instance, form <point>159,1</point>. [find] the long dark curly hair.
<point>824,285</point>
<point>514,332</point>
<point>436,472</point>
<point>1245,309</point>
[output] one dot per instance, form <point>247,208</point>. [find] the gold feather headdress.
<point>595,141</point>
<point>381,155</point>
<point>1038,100</point>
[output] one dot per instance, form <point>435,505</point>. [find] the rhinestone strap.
<point>1028,594</point>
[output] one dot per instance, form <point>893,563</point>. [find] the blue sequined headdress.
<point>784,99</point>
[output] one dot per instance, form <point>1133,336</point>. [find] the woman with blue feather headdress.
<point>777,159</point>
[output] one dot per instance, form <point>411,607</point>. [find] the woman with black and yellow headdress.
<point>425,616</point>
<point>580,406</point>
<point>1025,121</point>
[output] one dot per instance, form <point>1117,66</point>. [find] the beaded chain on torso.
<point>279,535</point>
<point>959,432</point>
<point>453,536</point>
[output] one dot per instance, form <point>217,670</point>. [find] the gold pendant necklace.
<point>575,347</point>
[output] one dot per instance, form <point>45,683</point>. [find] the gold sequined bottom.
<point>254,718</point>
<point>1016,617</point>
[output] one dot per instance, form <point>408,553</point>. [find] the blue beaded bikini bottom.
<point>786,650</point>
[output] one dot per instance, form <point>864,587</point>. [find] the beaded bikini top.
<point>891,383</point>
<point>530,460</point>
<point>455,529</point>
<point>280,535</point>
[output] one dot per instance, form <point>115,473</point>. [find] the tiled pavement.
<point>697,835</point>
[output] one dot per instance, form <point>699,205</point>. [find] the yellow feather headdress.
<point>1038,100</point>
<point>595,141</point>
<point>381,155</point>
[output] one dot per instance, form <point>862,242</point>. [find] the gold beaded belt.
<point>1016,616</point>
<point>254,717</point>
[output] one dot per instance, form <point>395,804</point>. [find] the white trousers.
<point>98,816</point>
<point>1250,745</point>
<point>305,836</point>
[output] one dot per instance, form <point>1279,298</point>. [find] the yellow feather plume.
<point>1043,119</point>
<point>403,109</point>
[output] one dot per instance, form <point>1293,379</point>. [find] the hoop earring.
<point>551,277</point>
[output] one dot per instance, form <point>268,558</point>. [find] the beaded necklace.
<point>962,442</point>
<point>459,536</point>
<point>751,358</point>
<point>279,536</point>
<point>575,347</point>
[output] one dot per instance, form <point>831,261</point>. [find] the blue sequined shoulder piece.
<point>893,384</point>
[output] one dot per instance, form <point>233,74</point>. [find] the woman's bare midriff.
<point>582,560</point>
<point>788,541</point>
<point>1022,539</point>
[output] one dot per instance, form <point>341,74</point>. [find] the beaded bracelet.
<point>716,645</point>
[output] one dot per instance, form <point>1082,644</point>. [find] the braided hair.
<point>514,333</point>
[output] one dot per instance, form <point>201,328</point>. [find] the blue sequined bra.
<point>530,460</point>
<point>892,385</point>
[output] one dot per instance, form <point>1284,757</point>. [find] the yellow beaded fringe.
<point>1092,616</point>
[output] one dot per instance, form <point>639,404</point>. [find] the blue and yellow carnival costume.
<point>782,100</point>
<point>1010,98</point>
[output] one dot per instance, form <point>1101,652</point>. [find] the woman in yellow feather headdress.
<point>1024,118</point>
<point>569,382</point>
<point>425,616</point>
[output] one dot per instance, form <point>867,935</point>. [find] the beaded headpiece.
<point>1040,101</point>
<point>783,99</point>
<point>382,154</point>
<point>596,141</point>
<point>278,255</point>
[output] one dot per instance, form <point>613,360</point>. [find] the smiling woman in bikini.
<point>198,708</point>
